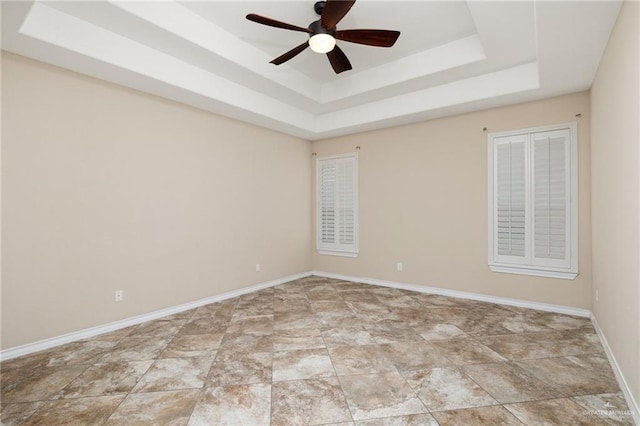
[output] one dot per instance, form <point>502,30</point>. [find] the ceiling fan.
<point>323,34</point>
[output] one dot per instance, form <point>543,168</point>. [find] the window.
<point>533,216</point>
<point>337,205</point>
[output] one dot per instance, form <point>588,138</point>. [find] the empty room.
<point>320,213</point>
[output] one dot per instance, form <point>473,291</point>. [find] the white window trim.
<point>540,271</point>
<point>322,250</point>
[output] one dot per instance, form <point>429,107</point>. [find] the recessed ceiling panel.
<point>424,25</point>
<point>451,57</point>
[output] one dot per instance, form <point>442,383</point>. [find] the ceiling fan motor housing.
<point>317,28</point>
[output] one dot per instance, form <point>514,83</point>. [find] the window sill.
<point>565,275</point>
<point>337,253</point>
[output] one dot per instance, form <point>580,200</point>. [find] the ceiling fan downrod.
<point>318,7</point>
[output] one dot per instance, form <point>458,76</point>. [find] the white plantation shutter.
<point>511,198</point>
<point>337,189</point>
<point>551,197</point>
<point>533,196</point>
<point>346,201</point>
<point>327,194</point>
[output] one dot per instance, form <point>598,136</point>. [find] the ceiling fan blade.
<point>339,60</point>
<point>273,23</point>
<point>334,11</point>
<point>290,54</point>
<point>379,38</point>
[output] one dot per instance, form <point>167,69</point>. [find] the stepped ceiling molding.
<point>452,56</point>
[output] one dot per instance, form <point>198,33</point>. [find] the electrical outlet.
<point>597,296</point>
<point>257,267</point>
<point>399,266</point>
<point>119,295</point>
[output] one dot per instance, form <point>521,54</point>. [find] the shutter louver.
<point>511,197</point>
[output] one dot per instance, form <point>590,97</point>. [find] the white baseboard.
<point>127,322</point>
<point>462,294</point>
<point>631,403</point>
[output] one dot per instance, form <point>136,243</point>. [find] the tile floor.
<point>324,351</point>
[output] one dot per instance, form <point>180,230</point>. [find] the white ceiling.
<point>452,56</point>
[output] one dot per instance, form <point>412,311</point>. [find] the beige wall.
<point>106,188</point>
<point>615,167</point>
<point>423,202</point>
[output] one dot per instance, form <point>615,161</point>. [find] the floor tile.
<point>434,299</point>
<point>447,389</point>
<point>565,322</point>
<point>543,345</point>
<point>466,351</point>
<point>507,382</point>
<point>252,311</point>
<point>136,348</point>
<point>17,414</point>
<point>193,345</point>
<point>380,395</point>
<point>438,331</point>
<point>554,411</point>
<point>414,420</point>
<point>392,332</point>
<point>330,306</point>
<point>373,307</point>
<point>26,363</point>
<point>307,402</point>
<point>80,411</point>
<point>414,355</point>
<point>205,325</point>
<point>86,352</point>
<point>401,301</point>
<point>231,368</point>
<point>359,360</point>
<point>574,375</point>
<point>234,405</point>
<point>323,294</point>
<point>107,379</point>
<point>289,320</point>
<point>303,364</point>
<point>358,296</point>
<point>347,336</point>
<point>258,325</point>
<point>159,408</point>
<point>246,343</point>
<point>297,338</point>
<point>334,319</point>
<point>160,328</point>
<point>112,336</point>
<point>175,373</point>
<point>480,416</point>
<point>37,385</point>
<point>410,317</point>
<point>522,324</point>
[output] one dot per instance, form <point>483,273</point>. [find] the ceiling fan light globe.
<point>322,43</point>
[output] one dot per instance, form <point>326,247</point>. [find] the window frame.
<point>527,266</point>
<point>334,249</point>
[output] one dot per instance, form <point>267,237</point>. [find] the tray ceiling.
<point>452,56</point>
